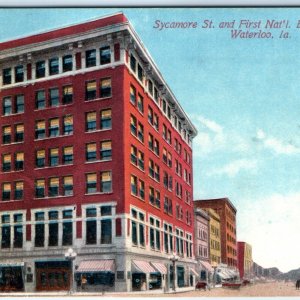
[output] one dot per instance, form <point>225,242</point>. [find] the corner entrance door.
<point>53,276</point>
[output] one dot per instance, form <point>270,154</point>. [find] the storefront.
<point>53,275</point>
<point>12,277</point>
<point>95,275</point>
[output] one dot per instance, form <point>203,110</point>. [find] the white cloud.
<point>276,145</point>
<point>234,167</point>
<point>211,125</point>
<point>271,225</point>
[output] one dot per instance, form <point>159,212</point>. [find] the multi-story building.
<point>245,262</point>
<point>227,212</point>
<point>201,241</point>
<point>96,156</point>
<point>214,237</point>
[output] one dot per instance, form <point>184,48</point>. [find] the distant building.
<point>215,237</point>
<point>227,213</point>
<point>245,262</point>
<point>201,226</point>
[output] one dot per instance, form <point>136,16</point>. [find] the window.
<point>68,125</point>
<point>53,66</point>
<point>133,155</point>
<point>156,147</point>
<point>169,159</point>
<point>53,188</point>
<point>40,131</point>
<point>168,208</point>
<point>140,103</point>
<point>40,188</point>
<point>40,100</point>
<point>67,238</point>
<point>134,237</point>
<point>105,183</point>
<point>132,94</point>
<point>6,233</point>
<point>105,88</point>
<point>151,168</point>
<point>19,161</point>
<point>91,183</point>
<point>6,191</point>
<point>157,199</point>
<point>140,73</point>
<point>106,231</point>
<point>53,157</point>
<point>6,134</point>
<point>39,230</point>
<point>105,55</point>
<point>105,150</point>
<point>150,87</point>
<point>142,189</point>
<point>105,119</point>
<point>156,172</point>
<point>156,122</point>
<point>141,163</point>
<point>91,153</point>
<point>6,76</point>
<point>19,104</point>
<point>53,127</point>
<point>134,185</point>
<point>105,211</point>
<point>53,97</point>
<point>91,121</point>
<point>151,142</point>
<point>6,162</point>
<point>40,69</point>
<point>155,94</point>
<point>18,231</point>
<point>67,94</point>
<point>7,107</point>
<point>132,63</point>
<point>40,158</point>
<point>164,156</point>
<point>151,195</point>
<point>67,63</point>
<point>19,74</point>
<point>90,90</point>
<point>90,58</point>
<point>133,125</point>
<point>140,132</point>
<point>68,155</point>
<point>68,185</point>
<point>91,227</point>
<point>53,228</point>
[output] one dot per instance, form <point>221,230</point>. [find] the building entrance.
<point>53,276</point>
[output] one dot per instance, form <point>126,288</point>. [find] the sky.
<point>241,94</point>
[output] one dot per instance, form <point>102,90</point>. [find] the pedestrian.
<point>298,284</point>
<point>83,282</point>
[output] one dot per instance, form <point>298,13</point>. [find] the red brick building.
<point>227,213</point>
<point>245,261</point>
<point>96,156</point>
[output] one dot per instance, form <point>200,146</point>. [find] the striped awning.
<point>92,266</point>
<point>207,266</point>
<point>142,266</point>
<point>161,268</point>
<point>193,272</point>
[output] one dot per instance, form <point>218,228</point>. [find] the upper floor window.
<point>6,134</point>
<point>140,73</point>
<point>105,119</point>
<point>6,191</point>
<point>91,153</point>
<point>105,55</point>
<point>90,58</point>
<point>105,182</point>
<point>40,129</point>
<point>40,70</point>
<point>68,125</point>
<point>40,99</point>
<point>105,150</point>
<point>53,66</point>
<point>19,74</point>
<point>67,63</point>
<point>105,88</point>
<point>67,94</point>
<point>54,97</point>
<point>54,127</point>
<point>91,121</point>
<point>140,103</point>
<point>6,76</point>
<point>90,90</point>
<point>19,104</point>
<point>132,63</point>
<point>132,94</point>
<point>7,106</point>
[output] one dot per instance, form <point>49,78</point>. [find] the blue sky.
<point>243,97</point>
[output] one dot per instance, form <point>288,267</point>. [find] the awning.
<point>193,272</point>
<point>92,266</point>
<point>11,264</point>
<point>142,266</point>
<point>207,266</point>
<point>224,275</point>
<point>161,268</point>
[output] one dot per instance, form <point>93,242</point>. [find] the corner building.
<point>96,155</point>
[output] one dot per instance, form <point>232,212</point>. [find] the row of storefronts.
<point>94,275</point>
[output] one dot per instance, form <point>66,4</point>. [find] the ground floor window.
<point>155,281</point>
<point>97,278</point>
<point>180,276</point>
<point>11,279</point>
<point>138,281</point>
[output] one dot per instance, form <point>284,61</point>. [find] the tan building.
<point>214,237</point>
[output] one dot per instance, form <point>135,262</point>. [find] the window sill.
<point>98,99</point>
<point>98,193</point>
<point>97,130</point>
<point>52,137</point>
<point>97,161</point>
<point>50,167</point>
<point>54,197</point>
<point>11,115</point>
<point>137,197</point>
<point>51,107</point>
<point>10,201</point>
